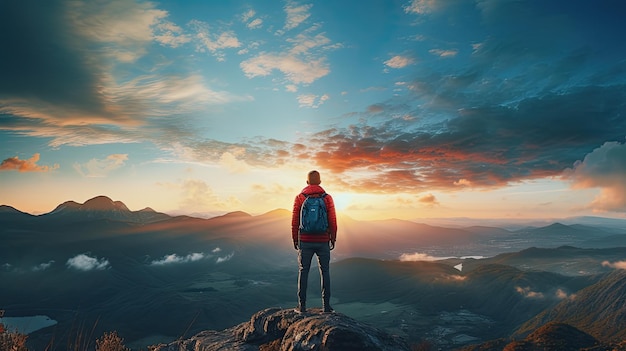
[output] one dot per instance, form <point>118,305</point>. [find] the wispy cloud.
<point>420,7</point>
<point>43,266</point>
<point>249,19</point>
<point>73,82</point>
<point>563,295</point>
<point>126,25</point>
<point>225,258</point>
<point>101,167</point>
<point>197,196</point>
<point>176,259</point>
<point>616,264</point>
<point>417,256</point>
<point>399,62</point>
<point>29,165</point>
<point>303,62</point>
<point>444,53</point>
<point>213,42</point>
<point>529,293</point>
<point>312,100</point>
<point>296,14</point>
<point>84,262</point>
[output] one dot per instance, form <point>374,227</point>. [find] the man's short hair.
<point>313,178</point>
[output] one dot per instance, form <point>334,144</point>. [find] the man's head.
<point>313,178</point>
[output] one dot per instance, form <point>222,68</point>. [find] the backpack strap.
<point>314,195</point>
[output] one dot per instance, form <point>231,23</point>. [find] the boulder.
<point>276,329</point>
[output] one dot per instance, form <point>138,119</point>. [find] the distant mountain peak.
<point>103,207</point>
<point>103,203</point>
<point>8,209</point>
<point>236,214</point>
<point>557,225</point>
<point>67,205</point>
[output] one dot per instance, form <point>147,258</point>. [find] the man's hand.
<point>295,245</point>
<point>332,245</point>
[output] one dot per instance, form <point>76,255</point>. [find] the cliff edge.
<point>275,329</point>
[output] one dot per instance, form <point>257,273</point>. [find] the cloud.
<point>176,259</point>
<point>225,258</point>
<point>84,262</point>
<point>101,167</point>
<point>616,265</point>
<point>312,100</point>
<point>69,82</point>
<point>248,15</point>
<point>126,24</point>
<point>399,62</point>
<point>485,146</point>
<point>528,293</point>
<point>296,14</point>
<point>29,165</point>
<point>563,295</point>
<point>420,7</point>
<point>429,199</point>
<point>303,62</point>
<point>604,168</point>
<point>416,256</point>
<point>444,53</point>
<point>212,41</point>
<point>197,196</point>
<point>251,22</point>
<point>43,266</point>
<point>169,34</point>
<point>233,160</point>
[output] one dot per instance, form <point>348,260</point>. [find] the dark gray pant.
<point>305,255</point>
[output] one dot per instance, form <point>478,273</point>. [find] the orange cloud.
<point>30,165</point>
<point>429,199</point>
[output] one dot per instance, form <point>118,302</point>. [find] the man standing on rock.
<point>314,231</point>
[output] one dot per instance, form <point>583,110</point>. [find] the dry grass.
<point>111,342</point>
<point>15,341</point>
<point>11,341</point>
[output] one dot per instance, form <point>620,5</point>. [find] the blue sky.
<point>409,109</point>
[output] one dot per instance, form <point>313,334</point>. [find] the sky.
<point>409,109</point>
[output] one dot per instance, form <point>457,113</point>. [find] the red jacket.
<point>330,208</point>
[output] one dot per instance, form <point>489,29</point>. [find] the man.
<point>313,241</point>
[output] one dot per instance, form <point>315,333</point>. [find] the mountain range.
<point>156,278</point>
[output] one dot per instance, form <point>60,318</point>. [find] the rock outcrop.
<point>277,329</point>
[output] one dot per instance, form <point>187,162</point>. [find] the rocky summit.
<point>275,329</point>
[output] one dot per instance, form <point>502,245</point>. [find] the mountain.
<point>102,207</point>
<point>598,310</point>
<point>558,234</point>
<point>552,336</point>
<point>278,329</point>
<point>156,277</point>
<point>8,213</point>
<point>567,260</point>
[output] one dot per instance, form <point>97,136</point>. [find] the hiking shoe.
<point>328,309</point>
<point>300,309</point>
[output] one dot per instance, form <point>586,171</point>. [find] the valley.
<point>156,278</point>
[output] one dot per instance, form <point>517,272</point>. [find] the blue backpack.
<point>313,215</point>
